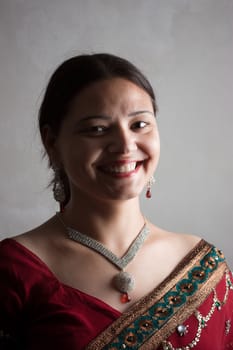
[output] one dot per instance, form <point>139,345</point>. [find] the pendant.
<point>124,282</point>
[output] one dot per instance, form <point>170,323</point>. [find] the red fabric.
<point>46,313</point>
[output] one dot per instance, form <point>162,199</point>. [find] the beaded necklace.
<point>123,281</point>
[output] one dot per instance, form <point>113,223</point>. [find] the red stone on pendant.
<point>125,298</point>
<point>148,193</point>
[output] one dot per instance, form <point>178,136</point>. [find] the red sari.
<point>191,309</point>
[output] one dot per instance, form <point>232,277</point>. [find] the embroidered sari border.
<point>142,309</point>
<point>186,310</point>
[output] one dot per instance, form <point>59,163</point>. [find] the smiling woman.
<point>110,131</point>
<point>88,278</point>
<point>74,96</point>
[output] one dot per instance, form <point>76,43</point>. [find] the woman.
<point>99,275</point>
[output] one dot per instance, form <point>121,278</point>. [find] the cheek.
<point>156,141</point>
<point>152,145</point>
<point>157,148</point>
<point>79,157</point>
<point>153,151</point>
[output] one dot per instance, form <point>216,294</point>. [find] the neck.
<point>113,223</point>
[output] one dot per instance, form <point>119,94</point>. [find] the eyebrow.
<point>140,112</point>
<point>98,116</point>
<point>106,117</point>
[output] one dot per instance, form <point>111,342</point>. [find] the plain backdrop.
<point>185,47</point>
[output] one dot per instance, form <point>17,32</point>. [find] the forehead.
<point>115,93</point>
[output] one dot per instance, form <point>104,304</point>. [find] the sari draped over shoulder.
<point>191,309</point>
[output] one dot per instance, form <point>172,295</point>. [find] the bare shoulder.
<point>34,234</point>
<point>172,242</point>
<point>39,240</point>
<point>185,241</point>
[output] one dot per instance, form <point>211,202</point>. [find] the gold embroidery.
<point>140,309</point>
<point>203,320</point>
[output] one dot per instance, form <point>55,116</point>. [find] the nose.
<point>122,141</point>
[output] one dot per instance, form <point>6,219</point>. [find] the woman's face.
<point>108,144</point>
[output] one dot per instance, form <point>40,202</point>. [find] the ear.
<point>49,140</point>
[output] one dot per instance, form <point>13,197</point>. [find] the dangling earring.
<point>149,184</point>
<point>58,188</point>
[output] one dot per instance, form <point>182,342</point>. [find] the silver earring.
<point>149,185</point>
<point>58,188</point>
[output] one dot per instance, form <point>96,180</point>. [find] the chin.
<point>123,195</point>
<point>111,193</point>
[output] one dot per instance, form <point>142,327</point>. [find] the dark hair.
<point>72,76</point>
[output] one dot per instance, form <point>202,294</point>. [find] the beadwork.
<point>227,326</point>
<point>182,329</point>
<point>123,281</point>
<point>203,320</point>
<point>163,310</point>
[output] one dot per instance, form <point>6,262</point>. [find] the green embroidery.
<point>146,324</point>
<point>133,336</point>
<point>175,298</point>
<point>203,323</point>
<point>160,311</point>
<point>186,287</point>
<point>218,305</point>
<point>230,285</point>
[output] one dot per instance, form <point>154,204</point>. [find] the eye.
<point>140,125</point>
<point>98,128</point>
<point>94,130</point>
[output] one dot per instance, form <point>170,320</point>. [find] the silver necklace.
<point>123,281</point>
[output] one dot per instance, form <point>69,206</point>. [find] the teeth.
<point>125,168</point>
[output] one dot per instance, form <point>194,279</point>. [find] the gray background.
<point>185,47</point>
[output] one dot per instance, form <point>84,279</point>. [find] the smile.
<point>125,168</point>
<point>120,169</point>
